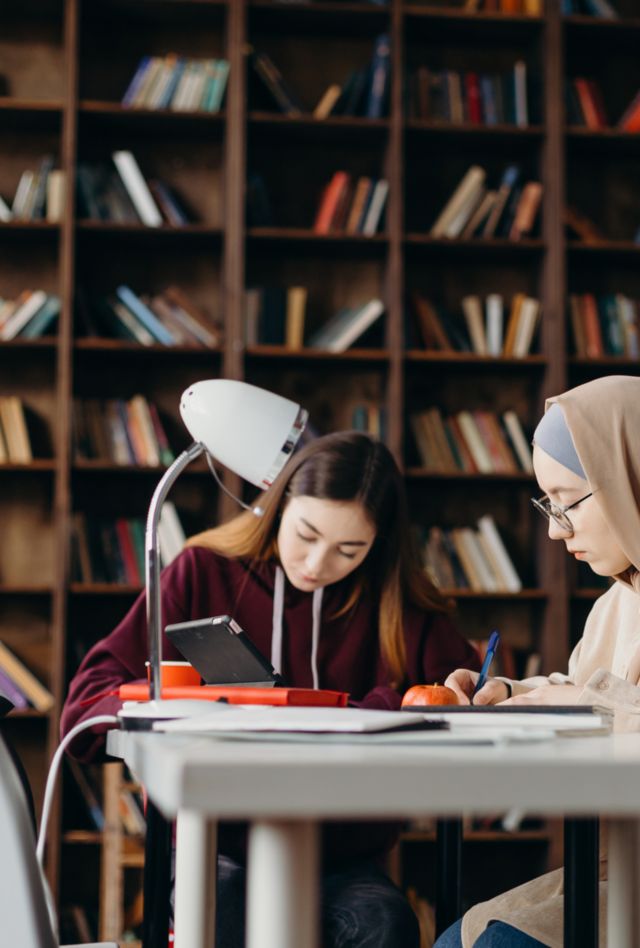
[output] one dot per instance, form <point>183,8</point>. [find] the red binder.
<point>240,695</point>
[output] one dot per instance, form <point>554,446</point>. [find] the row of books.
<point>473,441</point>
<point>470,558</point>
<point>604,325</point>
<point>120,193</point>
<point>112,550</point>
<point>20,685</point>
<point>488,327</point>
<point>602,8</point>
<point>508,208</point>
<point>586,107</point>
<point>508,7</point>
<point>351,206</point>
<point>169,318</point>
<point>31,314</point>
<point>86,781</point>
<point>39,195</point>
<point>370,417</point>
<point>15,443</point>
<point>450,95</point>
<point>276,316</point>
<point>121,432</point>
<point>364,92</point>
<point>177,83</point>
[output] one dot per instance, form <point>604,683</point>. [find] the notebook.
<point>566,720</point>
<point>300,719</point>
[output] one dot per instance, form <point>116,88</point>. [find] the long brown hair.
<point>346,466</point>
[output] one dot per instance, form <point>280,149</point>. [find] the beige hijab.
<point>603,417</point>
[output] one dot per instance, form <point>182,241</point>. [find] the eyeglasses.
<point>554,512</point>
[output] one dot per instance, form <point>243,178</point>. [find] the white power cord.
<point>53,771</point>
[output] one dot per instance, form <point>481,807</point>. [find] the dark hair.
<point>347,466</point>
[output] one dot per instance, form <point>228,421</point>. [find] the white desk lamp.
<point>249,430</point>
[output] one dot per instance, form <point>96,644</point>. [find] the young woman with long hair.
<point>326,584</point>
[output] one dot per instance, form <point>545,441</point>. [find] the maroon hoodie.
<point>200,583</point>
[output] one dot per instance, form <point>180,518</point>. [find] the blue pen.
<point>494,640</point>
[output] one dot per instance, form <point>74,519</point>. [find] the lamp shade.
<point>249,430</point>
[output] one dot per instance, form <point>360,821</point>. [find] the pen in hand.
<point>494,640</point>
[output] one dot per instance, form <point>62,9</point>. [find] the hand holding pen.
<point>494,640</point>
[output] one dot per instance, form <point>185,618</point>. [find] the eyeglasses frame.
<point>558,512</point>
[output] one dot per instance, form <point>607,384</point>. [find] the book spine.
<point>137,188</point>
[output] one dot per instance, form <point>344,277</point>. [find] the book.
<point>464,199</point>
<point>294,317</point>
<point>39,696</point>
<point>521,446</point>
<point>508,181</point>
<point>271,77</point>
<point>375,207</point>
<point>346,326</point>
<point>489,531</point>
<point>137,188</point>
<point>527,322</point>
<point>145,316</point>
<point>43,318</point>
<point>196,320</point>
<point>494,318</point>
<point>327,101</point>
<point>432,330</point>
<point>308,720</point>
<point>5,211</point>
<point>567,720</point>
<point>526,210</point>
<point>87,793</point>
<point>10,690</point>
<point>21,316</point>
<point>333,194</point>
<point>14,428</point>
<point>472,310</point>
<point>475,442</point>
<point>379,78</point>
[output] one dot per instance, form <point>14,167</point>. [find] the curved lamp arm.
<point>152,562</point>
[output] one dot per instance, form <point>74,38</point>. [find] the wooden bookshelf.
<point>61,85</point>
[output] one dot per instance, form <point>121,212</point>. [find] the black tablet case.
<point>222,652</point>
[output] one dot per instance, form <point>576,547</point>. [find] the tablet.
<point>222,652</point>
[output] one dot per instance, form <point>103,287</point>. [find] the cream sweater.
<point>606,664</point>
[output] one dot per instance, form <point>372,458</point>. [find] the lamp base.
<point>142,715</point>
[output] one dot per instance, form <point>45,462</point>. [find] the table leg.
<point>282,885</point>
<point>196,877</point>
<point>448,873</point>
<point>623,921</point>
<point>581,867</point>
<point>157,879</point>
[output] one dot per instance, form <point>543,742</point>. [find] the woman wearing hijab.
<point>586,458</point>
<point>325,583</point>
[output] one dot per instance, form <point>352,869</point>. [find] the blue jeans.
<point>360,908</point>
<point>497,935</point>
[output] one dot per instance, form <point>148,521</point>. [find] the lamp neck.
<point>152,563</point>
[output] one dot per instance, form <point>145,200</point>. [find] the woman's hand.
<point>548,694</point>
<point>463,681</point>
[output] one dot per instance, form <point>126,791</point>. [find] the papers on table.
<point>339,725</point>
<point>564,720</point>
<point>310,720</point>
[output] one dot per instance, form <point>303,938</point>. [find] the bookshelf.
<point>60,89</point>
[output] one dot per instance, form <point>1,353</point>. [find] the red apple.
<point>420,695</point>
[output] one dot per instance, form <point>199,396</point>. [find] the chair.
<point>23,896</point>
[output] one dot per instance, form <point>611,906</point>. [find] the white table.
<point>284,790</point>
